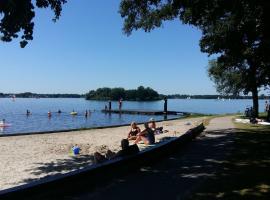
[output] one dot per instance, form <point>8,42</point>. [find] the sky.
<point>86,49</point>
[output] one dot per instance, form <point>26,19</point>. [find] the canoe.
<point>93,175</point>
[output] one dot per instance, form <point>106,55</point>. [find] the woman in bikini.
<point>132,135</point>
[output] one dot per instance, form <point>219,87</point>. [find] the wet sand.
<point>31,157</point>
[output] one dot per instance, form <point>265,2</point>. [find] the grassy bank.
<point>245,174</point>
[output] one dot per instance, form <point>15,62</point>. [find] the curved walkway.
<point>177,176</point>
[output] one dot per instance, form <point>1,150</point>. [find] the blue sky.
<point>86,49</point>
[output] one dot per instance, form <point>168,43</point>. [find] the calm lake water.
<point>15,112</point>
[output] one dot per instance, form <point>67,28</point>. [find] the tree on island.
<point>237,32</point>
<point>139,94</point>
<point>17,16</point>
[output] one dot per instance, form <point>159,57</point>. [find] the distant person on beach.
<point>147,135</point>
<point>266,106</point>
<point>134,130</point>
<point>127,150</point>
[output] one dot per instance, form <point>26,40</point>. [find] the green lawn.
<point>245,174</point>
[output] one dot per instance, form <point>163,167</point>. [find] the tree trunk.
<point>255,102</point>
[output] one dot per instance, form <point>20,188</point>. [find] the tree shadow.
<point>246,174</point>
<point>223,164</point>
<point>173,177</point>
<point>58,167</point>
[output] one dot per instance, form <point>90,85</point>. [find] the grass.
<point>262,115</point>
<point>245,174</point>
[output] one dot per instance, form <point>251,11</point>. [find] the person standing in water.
<point>120,103</point>
<point>28,112</point>
<point>86,114</point>
<point>49,114</point>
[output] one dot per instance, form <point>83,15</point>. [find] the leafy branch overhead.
<point>17,17</point>
<point>236,32</point>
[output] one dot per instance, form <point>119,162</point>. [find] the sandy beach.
<point>31,157</point>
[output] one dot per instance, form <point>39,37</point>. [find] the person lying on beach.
<point>147,136</point>
<point>127,150</point>
<point>153,126</point>
<point>132,135</point>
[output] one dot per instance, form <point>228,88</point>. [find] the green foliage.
<point>140,94</point>
<point>227,80</point>
<point>236,31</point>
<point>17,16</point>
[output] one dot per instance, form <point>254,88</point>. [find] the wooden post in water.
<point>110,105</point>
<point>165,105</point>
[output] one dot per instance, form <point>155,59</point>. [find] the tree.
<point>236,31</point>
<point>17,16</point>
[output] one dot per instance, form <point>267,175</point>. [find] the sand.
<point>31,157</point>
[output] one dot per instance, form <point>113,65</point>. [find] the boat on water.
<point>74,113</point>
<point>83,179</point>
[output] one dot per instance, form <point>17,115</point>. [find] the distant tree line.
<point>139,94</point>
<point>35,95</point>
<point>185,96</point>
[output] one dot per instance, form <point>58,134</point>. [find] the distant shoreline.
<point>52,96</point>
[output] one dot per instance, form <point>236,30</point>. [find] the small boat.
<point>74,113</point>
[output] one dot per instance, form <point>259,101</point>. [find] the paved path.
<point>174,177</point>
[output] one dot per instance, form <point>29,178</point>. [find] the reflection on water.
<point>15,112</point>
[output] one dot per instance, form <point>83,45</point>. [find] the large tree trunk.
<point>255,102</point>
<point>254,87</point>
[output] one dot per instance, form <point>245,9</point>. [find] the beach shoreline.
<point>27,158</point>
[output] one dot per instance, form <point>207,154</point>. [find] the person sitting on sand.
<point>147,136</point>
<point>127,150</point>
<point>132,135</point>
<point>153,126</point>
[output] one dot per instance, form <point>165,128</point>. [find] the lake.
<point>14,112</point>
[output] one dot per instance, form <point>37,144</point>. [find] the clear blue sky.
<point>86,49</point>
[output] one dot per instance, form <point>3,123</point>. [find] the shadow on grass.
<point>246,174</point>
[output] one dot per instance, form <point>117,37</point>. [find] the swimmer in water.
<point>49,114</point>
<point>86,114</point>
<point>2,122</point>
<point>28,112</point>
<point>59,111</point>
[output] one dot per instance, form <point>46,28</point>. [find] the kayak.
<point>73,113</point>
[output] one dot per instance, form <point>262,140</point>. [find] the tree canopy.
<point>139,94</point>
<point>17,17</point>
<point>237,32</point>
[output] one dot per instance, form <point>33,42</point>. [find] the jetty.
<point>145,112</point>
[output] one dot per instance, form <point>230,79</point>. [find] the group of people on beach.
<point>147,136</point>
